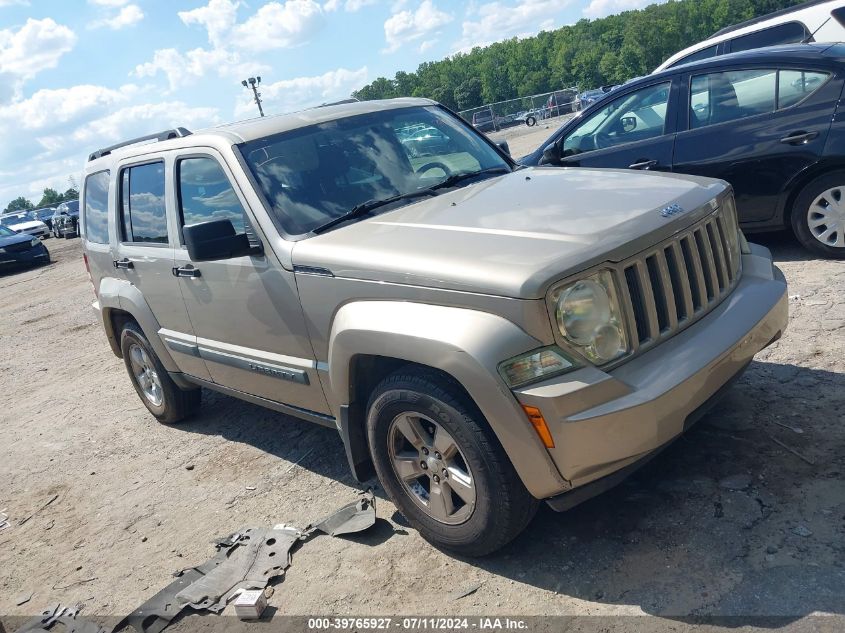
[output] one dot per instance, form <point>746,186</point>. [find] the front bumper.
<point>35,255</point>
<point>604,422</point>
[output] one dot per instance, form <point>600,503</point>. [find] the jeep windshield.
<point>315,175</point>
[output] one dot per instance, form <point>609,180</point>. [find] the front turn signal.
<point>539,423</point>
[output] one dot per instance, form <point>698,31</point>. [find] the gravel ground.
<point>744,515</point>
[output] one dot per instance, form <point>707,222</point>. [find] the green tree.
<point>50,198</point>
<point>70,194</point>
<point>19,204</point>
<point>590,53</point>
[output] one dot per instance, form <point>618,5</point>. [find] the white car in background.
<point>812,21</point>
<point>25,223</point>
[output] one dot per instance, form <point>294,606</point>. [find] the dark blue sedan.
<point>18,249</point>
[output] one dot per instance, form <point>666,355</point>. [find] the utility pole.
<point>254,82</point>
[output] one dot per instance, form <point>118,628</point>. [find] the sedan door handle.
<point>644,164</point>
<point>123,263</point>
<point>186,271</point>
<point>799,138</point>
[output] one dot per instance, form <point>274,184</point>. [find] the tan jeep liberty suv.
<point>483,335</point>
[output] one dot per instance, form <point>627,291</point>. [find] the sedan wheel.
<point>818,215</point>
<point>826,218</point>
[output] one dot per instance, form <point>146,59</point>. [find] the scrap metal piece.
<point>66,617</point>
<point>258,556</point>
<point>246,560</point>
<point>351,518</point>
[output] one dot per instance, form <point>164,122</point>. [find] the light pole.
<point>254,82</point>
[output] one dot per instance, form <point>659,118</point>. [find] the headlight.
<point>589,316</point>
<point>34,241</point>
<point>534,366</point>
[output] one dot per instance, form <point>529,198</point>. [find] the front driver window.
<point>636,116</point>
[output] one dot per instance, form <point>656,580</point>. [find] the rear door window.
<point>729,96</point>
<point>96,208</point>
<point>796,85</point>
<point>789,33</point>
<point>143,211</point>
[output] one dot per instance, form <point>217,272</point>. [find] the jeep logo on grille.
<point>672,209</point>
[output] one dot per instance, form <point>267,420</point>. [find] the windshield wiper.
<point>365,207</point>
<point>454,179</point>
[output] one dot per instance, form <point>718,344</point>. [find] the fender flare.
<point>121,295</point>
<point>466,344</point>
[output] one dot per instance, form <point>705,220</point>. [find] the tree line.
<point>50,198</point>
<point>588,54</point>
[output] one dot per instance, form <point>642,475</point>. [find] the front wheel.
<point>163,398</point>
<point>818,215</point>
<point>531,121</point>
<point>442,466</point>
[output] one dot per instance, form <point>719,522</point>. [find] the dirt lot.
<point>745,515</point>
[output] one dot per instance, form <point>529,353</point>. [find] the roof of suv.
<point>251,129</point>
<point>812,52</point>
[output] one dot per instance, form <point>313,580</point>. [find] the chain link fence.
<point>523,110</point>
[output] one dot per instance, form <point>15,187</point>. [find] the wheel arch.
<point>800,182</point>
<point>369,340</point>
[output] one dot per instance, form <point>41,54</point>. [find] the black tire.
<point>502,507</point>
<point>176,403</point>
<point>530,121</point>
<point>802,213</point>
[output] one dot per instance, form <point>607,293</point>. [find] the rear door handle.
<point>799,138</point>
<point>123,263</point>
<point>186,271</point>
<point>644,164</point>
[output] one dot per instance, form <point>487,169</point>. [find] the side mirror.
<point>209,241</point>
<point>629,123</point>
<point>551,154</point>
<point>503,145</point>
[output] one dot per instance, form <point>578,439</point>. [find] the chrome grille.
<point>672,285</point>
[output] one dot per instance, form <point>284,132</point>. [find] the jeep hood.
<point>515,234</point>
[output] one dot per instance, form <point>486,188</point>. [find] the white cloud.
<point>218,17</point>
<point>277,25</point>
<point>495,21</point>
<point>350,6</point>
<point>36,46</point>
<point>49,108</point>
<point>87,122</point>
<point>290,95</point>
<point>410,26</point>
<point>185,68</point>
<point>127,16</point>
<point>603,8</point>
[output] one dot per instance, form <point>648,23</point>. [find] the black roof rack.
<point>158,136</point>
<point>341,102</point>
<point>768,16</point>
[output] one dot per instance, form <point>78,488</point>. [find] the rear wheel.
<point>818,215</point>
<point>442,465</point>
<point>163,398</point>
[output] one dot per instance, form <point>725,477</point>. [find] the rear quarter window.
<point>96,211</point>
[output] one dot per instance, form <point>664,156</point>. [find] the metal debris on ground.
<point>247,560</point>
<point>49,501</point>
<point>4,520</point>
<point>466,591</point>
<point>66,616</point>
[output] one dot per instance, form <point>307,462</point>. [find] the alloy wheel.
<point>432,468</point>
<point>146,375</point>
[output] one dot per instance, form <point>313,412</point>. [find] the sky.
<point>77,75</point>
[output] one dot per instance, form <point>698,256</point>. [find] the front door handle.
<point>123,263</point>
<point>186,271</point>
<point>799,138</point>
<point>643,164</point>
